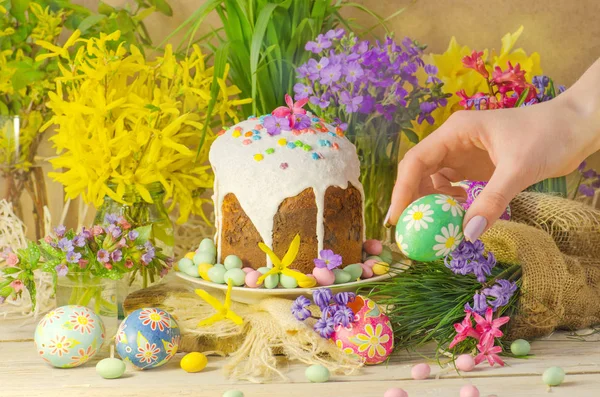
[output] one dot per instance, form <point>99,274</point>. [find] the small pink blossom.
<point>476,63</point>
<point>464,330</point>
<point>17,285</point>
<point>97,230</point>
<point>48,239</point>
<point>489,328</point>
<point>108,266</point>
<point>124,224</point>
<point>489,352</point>
<point>293,108</point>
<point>83,263</point>
<point>12,259</point>
<point>128,263</point>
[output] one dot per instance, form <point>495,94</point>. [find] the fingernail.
<point>386,221</point>
<point>475,228</point>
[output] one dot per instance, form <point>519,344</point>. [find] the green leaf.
<point>6,291</point>
<point>162,6</point>
<point>10,270</point>
<point>152,107</point>
<point>89,22</point>
<point>522,97</point>
<point>144,234</point>
<point>32,254</point>
<point>144,14</point>
<point>105,9</point>
<point>257,41</point>
<point>414,138</point>
<point>3,109</point>
<point>126,24</point>
<point>18,8</point>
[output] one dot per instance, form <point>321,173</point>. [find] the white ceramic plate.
<point>255,295</point>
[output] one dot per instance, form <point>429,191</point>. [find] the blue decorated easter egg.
<point>148,338</point>
<point>69,336</point>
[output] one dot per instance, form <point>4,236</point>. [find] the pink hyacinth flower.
<point>489,328</point>
<point>464,330</point>
<point>476,63</point>
<point>489,352</point>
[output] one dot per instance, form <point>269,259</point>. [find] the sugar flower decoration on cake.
<point>328,259</point>
<point>223,310</point>
<point>284,118</point>
<point>281,266</point>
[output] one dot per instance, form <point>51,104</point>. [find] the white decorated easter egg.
<point>430,228</point>
<point>69,336</point>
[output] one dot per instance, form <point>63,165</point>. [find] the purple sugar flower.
<point>328,259</point>
<point>61,270</point>
<point>353,72</point>
<point>330,74</point>
<point>300,308</point>
<point>73,257</point>
<point>479,304</point>
<point>65,244</point>
<point>302,91</point>
<point>503,290</point>
<point>586,190</point>
<point>60,231</point>
<point>133,235</point>
<point>352,103</point>
<point>301,121</point>
<point>343,298</point>
<point>343,316</point>
<point>116,256</point>
<point>79,240</point>
<point>114,231</point>
<point>275,125</point>
<point>322,298</point>
<point>325,327</point>
<point>111,218</point>
<point>319,101</point>
<point>103,256</point>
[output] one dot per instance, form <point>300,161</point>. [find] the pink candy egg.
<point>367,271</point>
<point>252,278</point>
<point>465,363</point>
<point>371,262</point>
<point>420,371</point>
<point>395,392</point>
<point>324,276</point>
<point>373,247</point>
<point>469,391</point>
<point>247,269</point>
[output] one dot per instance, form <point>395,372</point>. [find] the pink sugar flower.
<point>17,285</point>
<point>12,259</point>
<point>476,63</point>
<point>293,108</point>
<point>489,352</point>
<point>464,330</point>
<point>489,328</point>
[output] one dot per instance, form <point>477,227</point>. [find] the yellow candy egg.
<point>190,255</point>
<point>193,362</point>
<point>307,282</point>
<point>203,269</point>
<point>381,268</point>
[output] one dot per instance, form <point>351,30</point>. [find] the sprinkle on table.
<point>258,157</point>
<point>282,142</point>
<point>283,166</point>
<point>258,127</point>
<point>246,141</point>
<point>270,150</point>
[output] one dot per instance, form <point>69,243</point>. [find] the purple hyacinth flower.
<point>301,121</point>
<point>479,304</point>
<point>589,174</point>
<point>300,308</point>
<point>133,235</point>
<point>328,259</point>
<point>302,91</point>
<point>353,72</point>
<point>586,190</point>
<point>103,256</point>
<point>325,327</point>
<point>111,218</point>
<point>426,109</point>
<point>65,244</point>
<point>60,231</point>
<point>483,267</point>
<point>352,103</point>
<point>322,298</point>
<point>343,298</point>
<point>343,316</point>
<point>116,256</point>
<point>330,74</point>
<point>275,125</point>
<point>502,291</point>
<point>79,240</point>
<point>61,270</point>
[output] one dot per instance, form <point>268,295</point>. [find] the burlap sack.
<point>557,242</point>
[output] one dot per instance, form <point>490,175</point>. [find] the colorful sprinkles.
<point>258,157</point>
<point>282,142</point>
<point>270,150</point>
<point>283,166</point>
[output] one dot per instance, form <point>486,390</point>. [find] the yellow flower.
<point>372,341</point>
<point>281,266</point>
<point>223,309</point>
<point>56,51</point>
<point>49,24</point>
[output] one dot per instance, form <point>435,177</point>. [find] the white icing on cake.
<point>261,186</point>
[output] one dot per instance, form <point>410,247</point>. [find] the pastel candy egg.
<point>203,269</point>
<point>271,281</point>
<point>317,373</point>
<point>207,245</point>
<point>430,228</point>
<point>553,376</point>
<point>252,279</point>
<point>204,257</point>
<point>193,362</point>
<point>247,270</point>
<point>395,392</point>
<point>217,274</point>
<point>287,281</point>
<point>469,391</point>
<point>381,268</point>
<point>323,276</point>
<point>420,371</point>
<point>367,272</point>
<point>465,363</point>
<point>263,269</point>
<point>372,247</point>
<point>371,262</point>
<point>355,271</point>
<point>148,338</point>
<point>190,255</point>
<point>341,276</point>
<point>232,262</point>
<point>520,347</point>
<point>110,368</point>
<point>233,393</point>
<point>386,255</point>
<point>308,282</point>
<point>373,258</point>
<point>236,275</point>
<point>188,267</point>
<point>69,336</point>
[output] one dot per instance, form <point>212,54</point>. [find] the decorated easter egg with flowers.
<point>430,228</point>
<point>69,336</point>
<point>370,336</point>
<point>148,338</point>
<point>474,188</point>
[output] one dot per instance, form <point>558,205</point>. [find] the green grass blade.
<point>257,41</point>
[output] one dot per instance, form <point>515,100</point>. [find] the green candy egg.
<point>233,393</point>
<point>430,228</point>
<point>317,373</point>
<point>217,274</point>
<point>553,376</point>
<point>188,267</point>
<point>207,245</point>
<point>375,258</point>
<point>355,270</point>
<point>204,257</point>
<point>236,275</point>
<point>386,254</point>
<point>520,347</point>
<point>271,281</point>
<point>341,276</point>
<point>287,281</point>
<point>232,262</point>
<point>110,368</point>
<point>263,269</point>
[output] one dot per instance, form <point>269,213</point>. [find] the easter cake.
<point>284,174</point>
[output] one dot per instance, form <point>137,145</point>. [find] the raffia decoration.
<point>189,234</point>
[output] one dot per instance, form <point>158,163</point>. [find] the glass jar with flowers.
<point>372,92</point>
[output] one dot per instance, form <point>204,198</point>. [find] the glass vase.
<point>95,293</point>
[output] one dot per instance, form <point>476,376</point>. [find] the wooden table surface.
<point>23,373</point>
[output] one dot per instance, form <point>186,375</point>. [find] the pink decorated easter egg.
<point>247,270</point>
<point>370,336</point>
<point>469,391</point>
<point>474,188</point>
<point>395,392</point>
<point>420,371</point>
<point>251,279</point>
<point>373,247</point>
<point>367,271</point>
<point>324,276</point>
<point>465,363</point>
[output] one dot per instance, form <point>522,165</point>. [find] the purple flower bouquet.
<point>371,91</point>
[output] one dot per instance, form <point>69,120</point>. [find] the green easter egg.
<point>520,347</point>
<point>237,276</point>
<point>553,376</point>
<point>204,257</point>
<point>207,244</point>
<point>233,393</point>
<point>386,254</point>
<point>110,368</point>
<point>232,262</point>
<point>341,276</point>
<point>430,228</point>
<point>317,373</point>
<point>217,274</point>
<point>188,267</point>
<point>271,281</point>
<point>355,270</point>
<point>288,282</point>
<point>263,269</point>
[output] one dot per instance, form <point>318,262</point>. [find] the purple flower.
<point>321,43</point>
<point>103,256</point>
<point>479,304</point>
<point>335,34</point>
<point>325,327</point>
<point>540,83</point>
<point>589,174</point>
<point>352,104</point>
<point>338,123</point>
<point>315,67</point>
<point>60,231</point>
<point>330,74</point>
<point>387,111</point>
<point>468,258</point>
<point>582,166</point>
<point>133,235</point>
<point>322,298</point>
<point>319,101</point>
<point>65,244</point>
<point>303,72</point>
<point>86,233</point>
<point>343,298</point>
<point>111,218</point>
<point>301,121</point>
<point>586,190</point>
<point>483,267</point>
<point>2,299</point>
<point>328,259</point>
<point>114,231</point>
<point>430,69</point>
<point>300,308</point>
<point>353,72</point>
<point>73,257</point>
<point>79,240</point>
<point>426,109</point>
<point>148,257</point>
<point>302,91</point>
<point>116,256</point>
<point>274,125</point>
<point>561,89</point>
<point>343,316</point>
<point>367,105</point>
<point>61,270</point>
<point>503,290</point>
